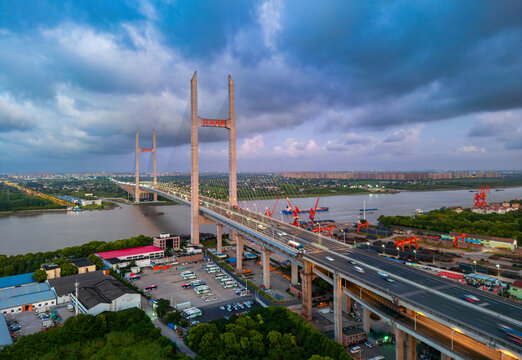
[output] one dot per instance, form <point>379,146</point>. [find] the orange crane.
<point>295,211</point>
<point>360,226</point>
<point>480,196</point>
<point>460,237</point>
<point>329,228</point>
<point>410,240</point>
<point>270,213</point>
<point>312,212</point>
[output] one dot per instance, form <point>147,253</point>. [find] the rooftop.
<point>65,284</point>
<point>128,252</point>
<point>81,262</point>
<point>104,291</point>
<point>16,280</point>
<point>25,294</point>
<point>50,266</point>
<point>5,336</point>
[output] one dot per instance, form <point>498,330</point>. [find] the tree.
<point>40,275</point>
<point>162,306</point>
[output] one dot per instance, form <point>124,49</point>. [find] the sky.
<point>320,85</point>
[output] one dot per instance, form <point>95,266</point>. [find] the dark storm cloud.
<point>377,53</point>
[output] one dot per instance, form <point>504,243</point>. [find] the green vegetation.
<point>456,184</point>
<point>21,264</point>
<point>125,335</point>
<point>20,201</point>
<point>507,225</point>
<point>162,307</point>
<point>266,333</point>
<point>99,187</point>
<point>40,275</point>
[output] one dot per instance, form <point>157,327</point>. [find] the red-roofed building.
<point>141,255</point>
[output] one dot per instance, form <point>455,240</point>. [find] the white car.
<point>355,350</point>
<point>359,269</point>
<point>329,258</point>
<point>383,274</point>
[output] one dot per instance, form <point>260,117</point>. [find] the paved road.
<point>428,298</point>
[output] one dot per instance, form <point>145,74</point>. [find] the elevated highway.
<point>418,305</point>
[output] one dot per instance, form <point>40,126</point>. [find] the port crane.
<point>319,229</point>
<point>411,240</point>
<point>365,225</point>
<point>295,212</point>
<point>270,213</point>
<point>312,212</point>
<point>460,237</point>
<point>480,196</point>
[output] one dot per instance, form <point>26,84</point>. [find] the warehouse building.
<point>16,280</point>
<point>122,258</point>
<point>64,286</point>
<point>26,297</point>
<point>106,295</point>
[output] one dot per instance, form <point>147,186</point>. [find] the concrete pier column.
<point>239,251</point>
<point>265,261</point>
<point>347,304</point>
<point>366,320</point>
<point>399,344</point>
<point>444,356</point>
<point>338,319</point>
<point>295,274</point>
<point>219,235</point>
<point>411,347</point>
<point>306,288</point>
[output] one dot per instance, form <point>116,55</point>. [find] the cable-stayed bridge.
<point>419,306</point>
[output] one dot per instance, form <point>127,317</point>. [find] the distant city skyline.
<point>320,86</point>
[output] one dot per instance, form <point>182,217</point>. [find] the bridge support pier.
<point>338,318</point>
<point>411,347</point>
<point>306,289</point>
<point>265,261</point>
<point>444,356</point>
<point>295,274</point>
<point>366,320</point>
<point>239,251</point>
<point>399,344</point>
<point>347,304</point>
<point>219,235</point>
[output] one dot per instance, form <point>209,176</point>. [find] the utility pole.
<point>76,295</point>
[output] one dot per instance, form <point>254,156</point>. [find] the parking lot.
<point>169,286</point>
<point>30,323</point>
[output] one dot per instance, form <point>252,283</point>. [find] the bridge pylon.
<point>197,122</point>
<point>137,192</point>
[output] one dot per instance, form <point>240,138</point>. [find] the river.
<point>20,234</point>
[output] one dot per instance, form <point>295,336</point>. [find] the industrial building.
<point>106,295</point>
<point>26,297</point>
<point>64,286</point>
<point>122,258</point>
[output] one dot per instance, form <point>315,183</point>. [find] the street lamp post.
<point>475,263</point>
<point>368,245</point>
<point>498,269</point>
<point>383,251</point>
<point>398,252</point>
<point>452,332</point>
<point>415,252</point>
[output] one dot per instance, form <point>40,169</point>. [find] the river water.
<point>50,231</point>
